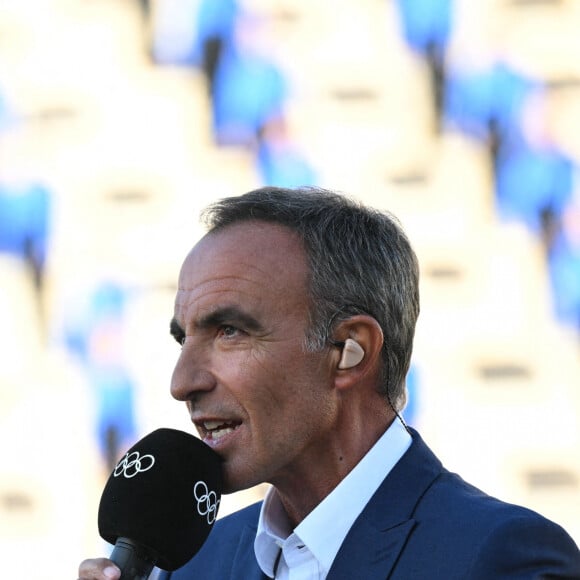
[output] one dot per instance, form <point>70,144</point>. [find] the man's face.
<point>256,397</point>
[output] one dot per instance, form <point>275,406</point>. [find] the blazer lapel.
<point>373,544</point>
<point>373,554</point>
<point>245,565</point>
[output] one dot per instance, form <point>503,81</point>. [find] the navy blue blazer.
<point>423,523</point>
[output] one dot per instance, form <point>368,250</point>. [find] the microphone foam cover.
<point>163,495</point>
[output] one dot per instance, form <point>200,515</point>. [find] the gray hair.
<point>360,261</point>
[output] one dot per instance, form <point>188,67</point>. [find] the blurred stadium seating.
<point>107,107</point>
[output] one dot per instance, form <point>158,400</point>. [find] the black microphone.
<point>160,502</point>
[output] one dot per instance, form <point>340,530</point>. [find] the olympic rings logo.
<point>134,463</point>
<point>207,501</point>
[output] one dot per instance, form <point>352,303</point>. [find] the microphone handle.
<point>135,562</point>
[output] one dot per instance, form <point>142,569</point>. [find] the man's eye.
<point>228,331</point>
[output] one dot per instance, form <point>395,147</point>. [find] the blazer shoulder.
<point>526,539</point>
<point>462,532</point>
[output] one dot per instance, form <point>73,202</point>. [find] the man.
<point>296,315</point>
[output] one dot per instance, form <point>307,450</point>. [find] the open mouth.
<point>215,430</point>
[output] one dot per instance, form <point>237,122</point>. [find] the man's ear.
<point>359,341</point>
<point>352,354</point>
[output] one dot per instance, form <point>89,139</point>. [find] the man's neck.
<point>300,495</point>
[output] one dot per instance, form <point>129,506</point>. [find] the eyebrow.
<point>226,315</point>
<point>176,331</point>
<point>229,315</point>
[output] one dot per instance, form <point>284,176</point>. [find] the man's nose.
<point>191,374</point>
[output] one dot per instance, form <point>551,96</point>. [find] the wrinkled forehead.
<point>255,249</point>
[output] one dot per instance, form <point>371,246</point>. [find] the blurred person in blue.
<point>250,89</point>
<point>25,200</point>
<point>295,317</point>
<point>215,23</point>
<point>25,215</point>
<point>427,26</point>
<point>484,97</point>
<point>279,161</point>
<point>534,177</point>
<point>564,267</point>
<point>193,33</point>
<point>95,336</point>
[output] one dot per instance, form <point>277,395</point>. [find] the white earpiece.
<point>352,354</point>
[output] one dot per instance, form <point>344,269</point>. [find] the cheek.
<point>278,384</point>
<point>252,380</point>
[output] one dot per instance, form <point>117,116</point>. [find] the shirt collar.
<point>273,528</point>
<point>325,528</point>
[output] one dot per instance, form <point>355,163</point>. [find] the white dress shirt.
<point>307,552</point>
